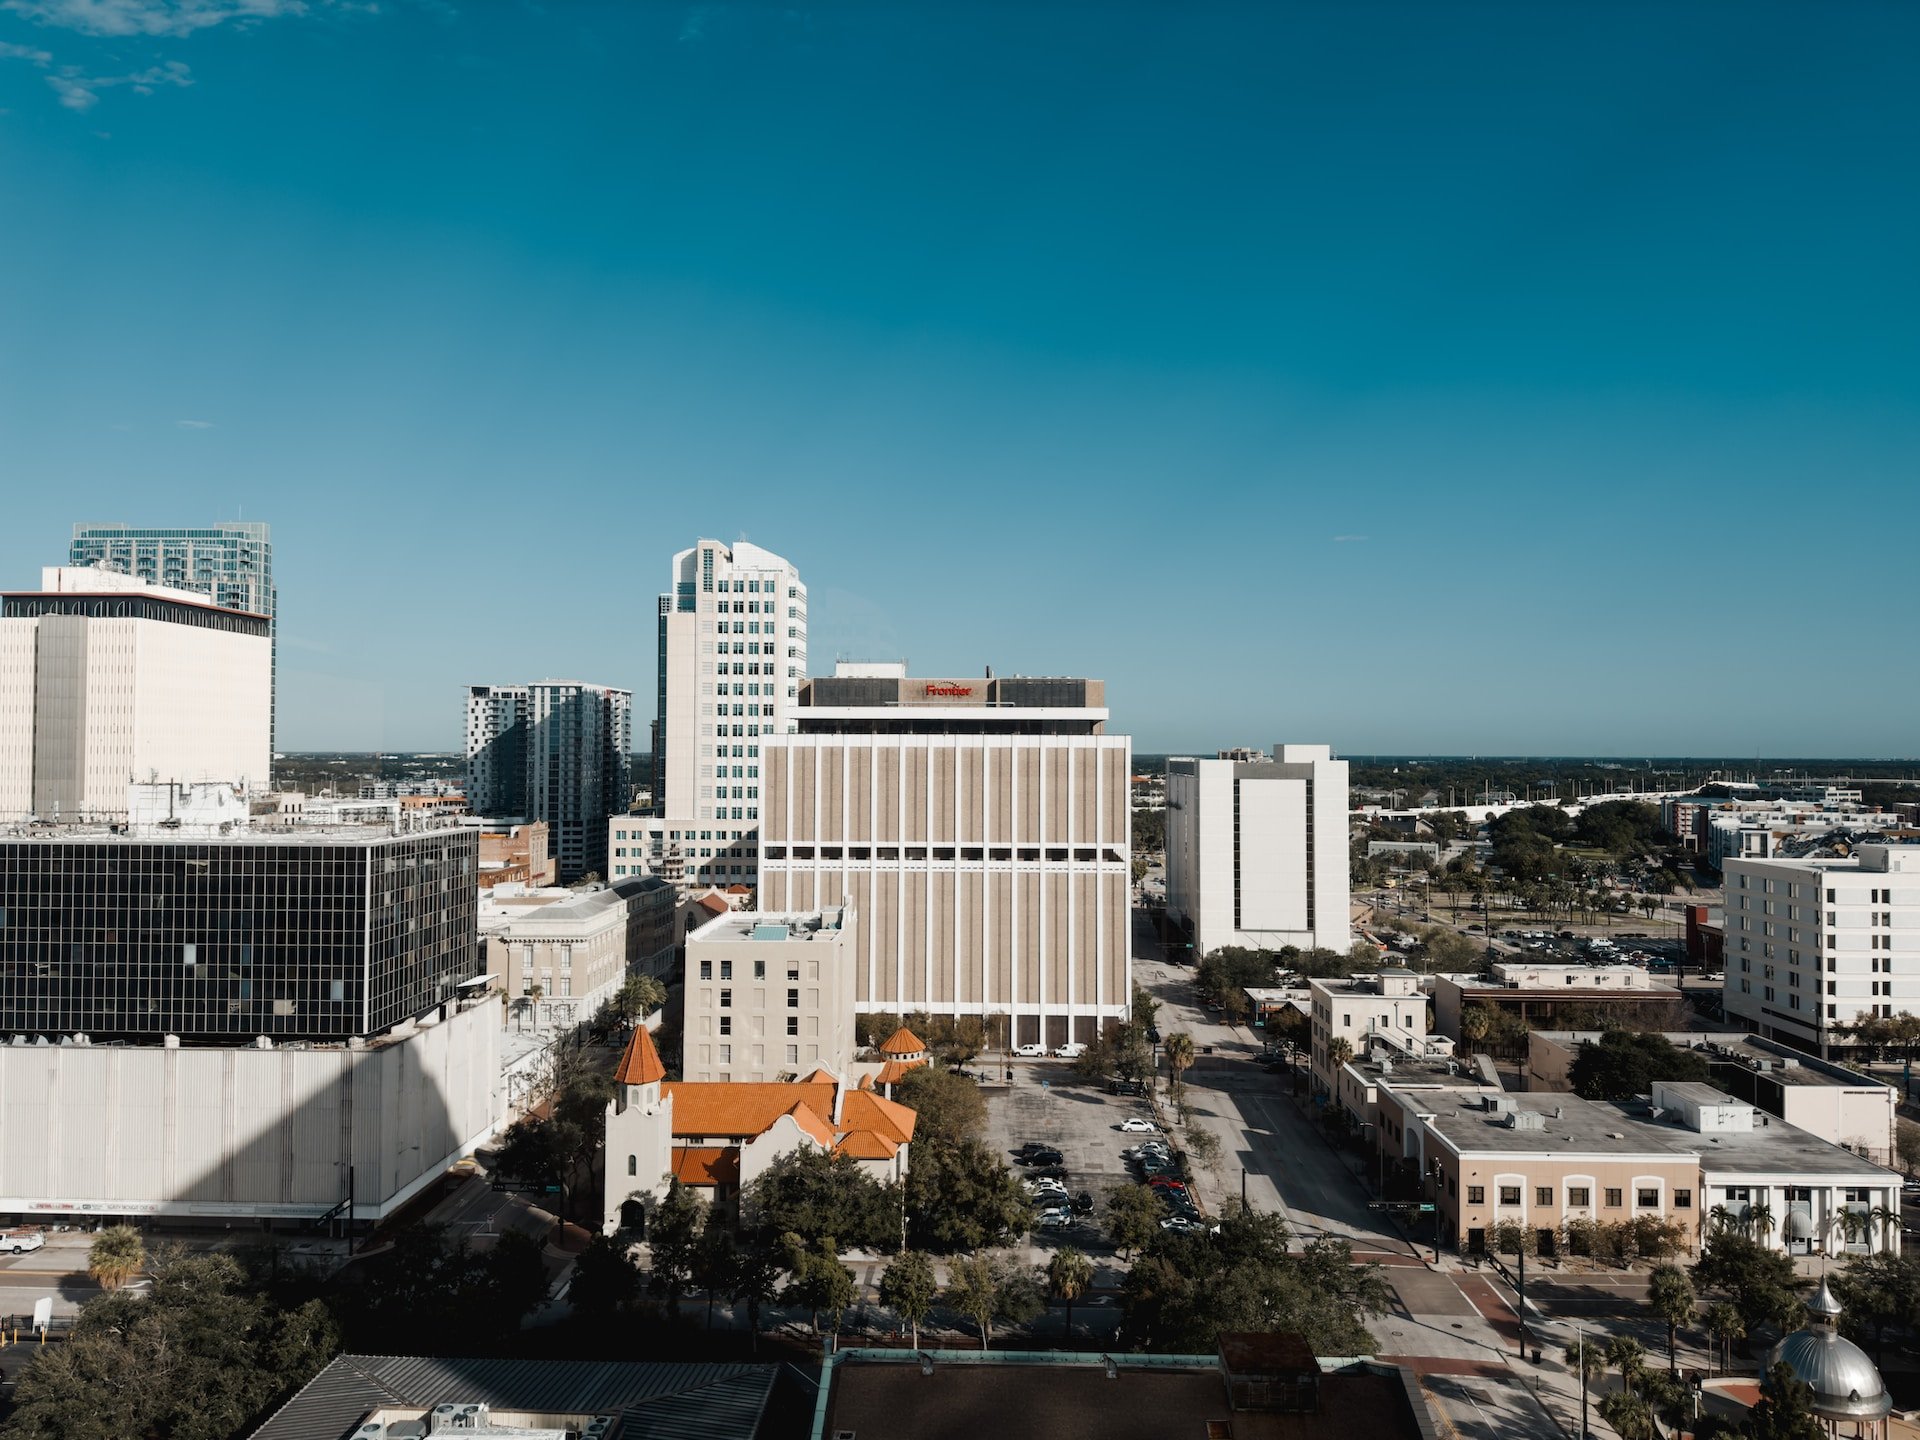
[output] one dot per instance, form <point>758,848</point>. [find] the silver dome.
<point>1846,1386</point>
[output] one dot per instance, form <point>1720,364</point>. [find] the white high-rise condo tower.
<point>732,653</point>
<point>556,751</point>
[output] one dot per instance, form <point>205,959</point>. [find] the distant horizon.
<point>1371,757</point>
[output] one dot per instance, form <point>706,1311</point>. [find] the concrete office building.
<point>1257,851</point>
<point>297,933</point>
<point>557,751</point>
<point>105,680</point>
<point>770,996</point>
<point>980,829</point>
<point>576,948</point>
<point>732,650</point>
<point>1561,997</point>
<point>1814,946</point>
<point>262,1131</point>
<point>232,563</point>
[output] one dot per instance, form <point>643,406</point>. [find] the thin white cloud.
<point>194,424</point>
<point>149,17</point>
<point>79,91</point>
<point>10,51</point>
<point>1349,539</point>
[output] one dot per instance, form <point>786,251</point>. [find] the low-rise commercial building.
<point>1357,1008</point>
<point>1692,1155</point>
<point>514,852</point>
<point>1569,997</point>
<point>770,996</point>
<point>1841,1106</point>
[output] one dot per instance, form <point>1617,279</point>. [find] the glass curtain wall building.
<point>312,935</point>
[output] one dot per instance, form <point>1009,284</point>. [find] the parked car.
<point>1072,1050</point>
<point>1187,1225</point>
<point>1126,1087</point>
<point>1060,1217</point>
<point>1082,1204</point>
<point>1138,1125</point>
<point>18,1242</point>
<point>1043,1157</point>
<point>1030,1052</point>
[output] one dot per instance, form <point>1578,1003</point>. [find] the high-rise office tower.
<point>231,562</point>
<point>732,653</point>
<point>106,680</point>
<point>557,751</point>
<point>980,828</point>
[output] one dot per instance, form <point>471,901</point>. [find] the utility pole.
<point>1580,1336</point>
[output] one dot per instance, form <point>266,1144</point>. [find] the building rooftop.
<point>1569,1125</point>
<point>234,833</point>
<point>1092,1397</point>
<point>1779,1063</point>
<point>652,1399</point>
<point>792,926</point>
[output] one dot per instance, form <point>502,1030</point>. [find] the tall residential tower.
<point>557,751</point>
<point>732,653</point>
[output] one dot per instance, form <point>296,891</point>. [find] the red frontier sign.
<point>950,690</point>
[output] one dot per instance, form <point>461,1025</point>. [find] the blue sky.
<point>1416,378</point>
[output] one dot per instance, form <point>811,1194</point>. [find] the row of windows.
<point>1057,854</point>
<point>1580,1197</point>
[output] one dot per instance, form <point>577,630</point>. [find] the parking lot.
<point>1048,1103</point>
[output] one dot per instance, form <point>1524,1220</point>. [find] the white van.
<point>1072,1050</point>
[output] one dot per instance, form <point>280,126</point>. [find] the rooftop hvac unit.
<point>597,1428</point>
<point>372,1430</point>
<point>452,1418</point>
<point>1526,1120</point>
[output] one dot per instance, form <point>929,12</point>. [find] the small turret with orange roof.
<point>902,1044</point>
<point>640,1065</point>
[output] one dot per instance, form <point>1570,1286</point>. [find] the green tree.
<point>1629,1357</point>
<point>1068,1274</point>
<point>908,1287</point>
<point>1881,1292</point>
<point>1758,1282</point>
<point>757,1271</point>
<point>814,1194</point>
<point>673,1243</point>
<point>715,1256</point>
<point>1624,1064</point>
<point>1670,1299</point>
<point>1133,1218</point>
<point>1146,1010</point>
<point>561,1146</point>
<point>1725,1324</point>
<point>116,1255</point>
<point>1906,1144</point>
<point>991,1290</point>
<point>638,997</point>
<point>962,1197</point>
<point>1510,1237</point>
<point>949,1106</point>
<point>819,1281</point>
<point>1179,1050</point>
<point>1785,1411</point>
<point>606,1281</point>
<point>1629,1415</point>
<point>1476,1023</point>
<point>200,1356</point>
<point>1339,1052</point>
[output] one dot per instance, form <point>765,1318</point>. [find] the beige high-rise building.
<point>770,996</point>
<point>106,680</point>
<point>980,828</point>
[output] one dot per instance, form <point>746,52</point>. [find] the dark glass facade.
<point>311,937</point>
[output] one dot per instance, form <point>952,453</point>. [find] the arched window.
<point>633,1164</point>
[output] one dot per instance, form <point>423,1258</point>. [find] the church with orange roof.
<point>719,1136</point>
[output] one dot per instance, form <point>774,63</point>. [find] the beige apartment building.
<point>770,995</point>
<point>980,828</point>
<point>1387,1007</point>
<point>559,957</point>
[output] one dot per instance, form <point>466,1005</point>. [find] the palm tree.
<point>1727,1325</point>
<point>1629,1357</point>
<point>1888,1219</point>
<point>535,995</point>
<point>1589,1359</point>
<point>1179,1048</point>
<point>1847,1226</point>
<point>1068,1275</point>
<point>1670,1297</point>
<point>1760,1221</point>
<point>1629,1415</point>
<point>1721,1219</point>
<point>1475,1022</point>
<point>116,1256</point>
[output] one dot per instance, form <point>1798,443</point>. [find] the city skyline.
<point>1418,383</point>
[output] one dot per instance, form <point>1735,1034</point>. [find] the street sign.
<point>1426,1208</point>
<point>43,1312</point>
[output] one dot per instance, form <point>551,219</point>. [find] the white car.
<point>18,1242</point>
<point>1030,1052</point>
<point>1072,1050</point>
<point>1138,1125</point>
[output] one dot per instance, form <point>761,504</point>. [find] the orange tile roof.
<point>706,1165</point>
<point>713,905</point>
<point>745,1107</point>
<point>641,1063</point>
<point>819,1075</point>
<point>864,1110</point>
<point>902,1042</point>
<point>893,1070</point>
<point>865,1145</point>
